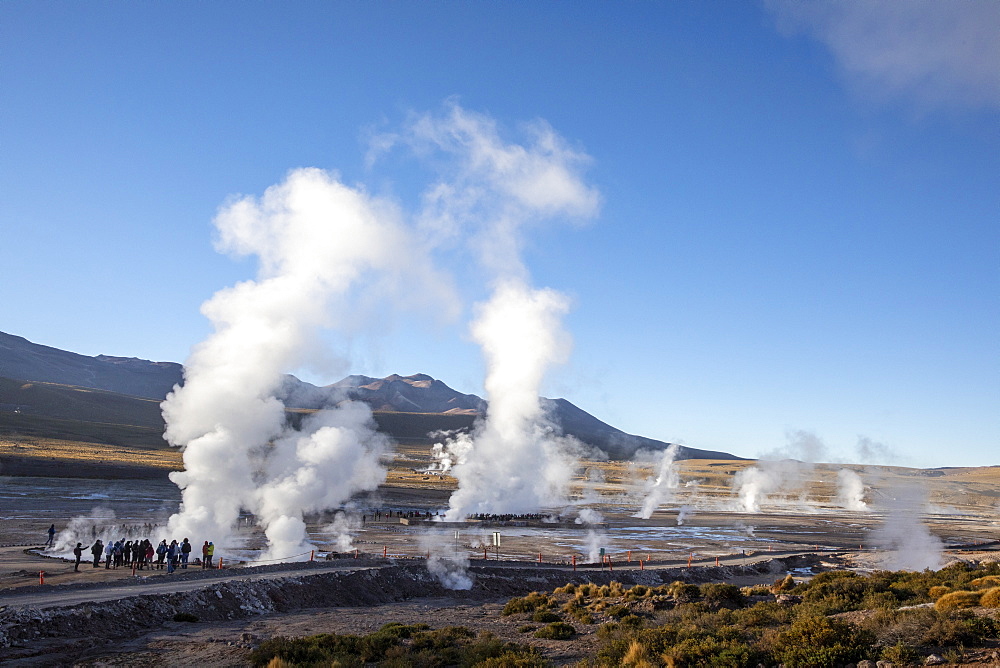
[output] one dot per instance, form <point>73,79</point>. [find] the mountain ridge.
<point>22,360</point>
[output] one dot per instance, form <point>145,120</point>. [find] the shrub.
<point>900,654</point>
<point>569,588</point>
<point>545,616</point>
<point>530,603</point>
<point>990,598</point>
<point>786,584</point>
<point>683,592</point>
<point>556,631</point>
<point>937,591</point>
<point>578,612</point>
<point>986,581</point>
<point>526,628</point>
<point>722,595</point>
<point>819,642</point>
<point>957,600</point>
<point>709,652</point>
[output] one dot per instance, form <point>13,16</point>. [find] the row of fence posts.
<point>605,559</point>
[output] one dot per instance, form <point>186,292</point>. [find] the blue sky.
<point>799,221</point>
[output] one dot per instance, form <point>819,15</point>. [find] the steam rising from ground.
<point>447,561</point>
<point>664,485</point>
<point>904,539</point>
<point>782,476</point>
<point>514,460</point>
<point>319,243</point>
<point>324,249</point>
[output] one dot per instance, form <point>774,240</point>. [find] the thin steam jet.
<point>662,488</point>
<point>514,460</point>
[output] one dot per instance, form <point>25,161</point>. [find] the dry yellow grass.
<point>70,452</point>
<point>958,599</point>
<point>990,598</point>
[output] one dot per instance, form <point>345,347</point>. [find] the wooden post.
<point>312,555</point>
<point>539,558</point>
<point>611,566</point>
<point>574,563</point>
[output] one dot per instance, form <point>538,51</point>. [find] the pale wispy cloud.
<point>935,53</point>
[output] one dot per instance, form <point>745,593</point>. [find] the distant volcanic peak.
<point>355,380</point>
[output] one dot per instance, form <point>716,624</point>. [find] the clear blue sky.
<point>800,226</point>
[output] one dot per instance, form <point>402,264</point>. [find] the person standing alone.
<point>78,553</point>
<point>52,536</point>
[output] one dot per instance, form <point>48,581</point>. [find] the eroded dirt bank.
<point>61,635</point>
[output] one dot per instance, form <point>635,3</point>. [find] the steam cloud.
<point>905,541</point>
<point>325,248</point>
<point>514,460</point>
<point>663,486</point>
<point>318,242</point>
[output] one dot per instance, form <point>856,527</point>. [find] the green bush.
<point>900,654</point>
<point>397,645</point>
<point>819,642</point>
<point>722,595</point>
<point>556,631</point>
<point>545,616</point>
<point>533,601</point>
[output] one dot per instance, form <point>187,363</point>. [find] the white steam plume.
<point>318,243</point>
<point>780,474</point>
<point>516,461</point>
<point>447,561</point>
<point>663,486</point>
<point>904,541</point>
<point>850,490</point>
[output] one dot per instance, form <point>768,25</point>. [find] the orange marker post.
<point>220,563</point>
<point>574,563</point>
<point>539,558</point>
<point>641,567</point>
<point>312,555</point>
<point>41,577</point>
<point>611,566</point>
<point>356,553</point>
<point>690,559</point>
<point>717,561</point>
<point>630,556</point>
<point>385,551</point>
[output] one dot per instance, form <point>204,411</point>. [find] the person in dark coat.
<point>52,536</point>
<point>78,553</point>
<point>96,549</point>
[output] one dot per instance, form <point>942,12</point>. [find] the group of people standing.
<point>140,554</point>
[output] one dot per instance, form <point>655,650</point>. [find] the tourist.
<point>210,554</point>
<point>161,552</point>
<point>185,552</point>
<point>172,556</point>
<point>78,553</point>
<point>97,549</point>
<point>52,536</point>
